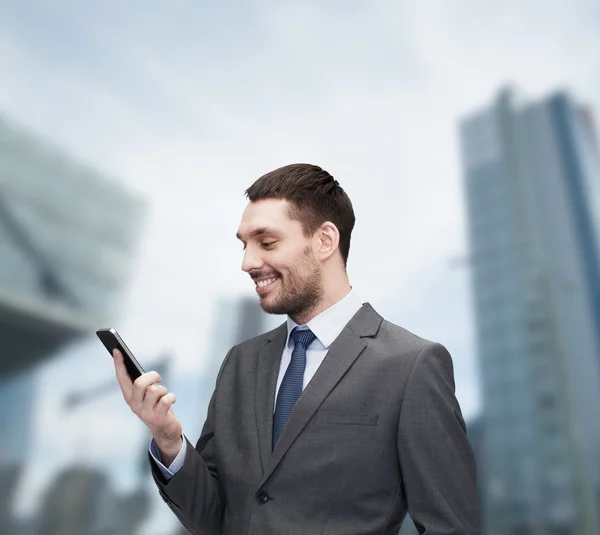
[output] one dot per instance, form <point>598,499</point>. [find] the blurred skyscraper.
<point>475,433</point>
<point>532,174</point>
<point>67,236</point>
<point>79,502</point>
<point>82,501</point>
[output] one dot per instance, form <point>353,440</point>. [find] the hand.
<point>151,403</point>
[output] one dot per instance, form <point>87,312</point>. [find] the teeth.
<point>264,283</point>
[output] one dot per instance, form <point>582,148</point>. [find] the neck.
<point>336,286</point>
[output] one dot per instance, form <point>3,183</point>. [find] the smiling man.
<point>338,422</point>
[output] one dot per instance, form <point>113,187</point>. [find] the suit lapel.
<point>341,355</point>
<point>269,360</point>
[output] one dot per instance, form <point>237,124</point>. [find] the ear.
<point>327,239</point>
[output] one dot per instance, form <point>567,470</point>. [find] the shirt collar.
<point>329,324</point>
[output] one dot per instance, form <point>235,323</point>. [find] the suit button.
<point>262,497</point>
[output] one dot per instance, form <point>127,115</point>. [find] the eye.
<point>267,245</point>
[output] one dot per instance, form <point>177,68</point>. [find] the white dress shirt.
<point>326,326</point>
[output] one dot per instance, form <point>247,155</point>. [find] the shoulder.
<point>398,345</point>
<point>395,339</point>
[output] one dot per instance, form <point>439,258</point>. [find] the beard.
<point>300,291</point>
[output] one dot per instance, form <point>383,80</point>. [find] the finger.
<point>122,376</point>
<point>140,386</point>
<point>165,402</point>
<point>153,395</point>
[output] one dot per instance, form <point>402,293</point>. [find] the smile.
<point>264,285</point>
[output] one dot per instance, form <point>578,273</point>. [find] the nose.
<point>251,260</point>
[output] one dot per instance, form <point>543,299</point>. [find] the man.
<point>336,422</point>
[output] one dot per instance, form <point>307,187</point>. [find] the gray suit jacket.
<point>376,432</point>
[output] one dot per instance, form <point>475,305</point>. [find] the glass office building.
<point>67,239</point>
<point>532,176</point>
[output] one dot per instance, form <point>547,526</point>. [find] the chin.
<point>269,305</point>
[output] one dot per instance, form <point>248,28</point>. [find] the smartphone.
<point>111,340</point>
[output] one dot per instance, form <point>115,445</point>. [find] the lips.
<point>263,285</point>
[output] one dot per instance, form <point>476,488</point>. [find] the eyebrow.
<point>258,232</point>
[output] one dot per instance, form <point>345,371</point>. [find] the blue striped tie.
<point>291,386</point>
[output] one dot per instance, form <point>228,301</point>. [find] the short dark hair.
<point>315,197</point>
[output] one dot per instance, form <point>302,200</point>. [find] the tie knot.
<point>304,337</point>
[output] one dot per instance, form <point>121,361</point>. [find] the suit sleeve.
<point>168,471</point>
<point>194,493</point>
<point>436,459</point>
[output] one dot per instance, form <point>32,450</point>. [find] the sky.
<point>187,103</point>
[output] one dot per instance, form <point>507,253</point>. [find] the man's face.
<point>279,258</point>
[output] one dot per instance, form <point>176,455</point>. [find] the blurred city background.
<point>464,133</point>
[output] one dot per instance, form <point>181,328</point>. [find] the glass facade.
<point>533,246</point>
<point>15,425</point>
<point>83,224</point>
<point>67,235</point>
<point>67,238</point>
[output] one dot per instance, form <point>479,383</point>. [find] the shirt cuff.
<point>175,466</point>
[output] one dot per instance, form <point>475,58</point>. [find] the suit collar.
<point>329,324</point>
<point>343,352</point>
<point>365,322</point>
<point>269,359</point>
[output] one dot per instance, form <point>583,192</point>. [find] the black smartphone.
<point>111,340</point>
